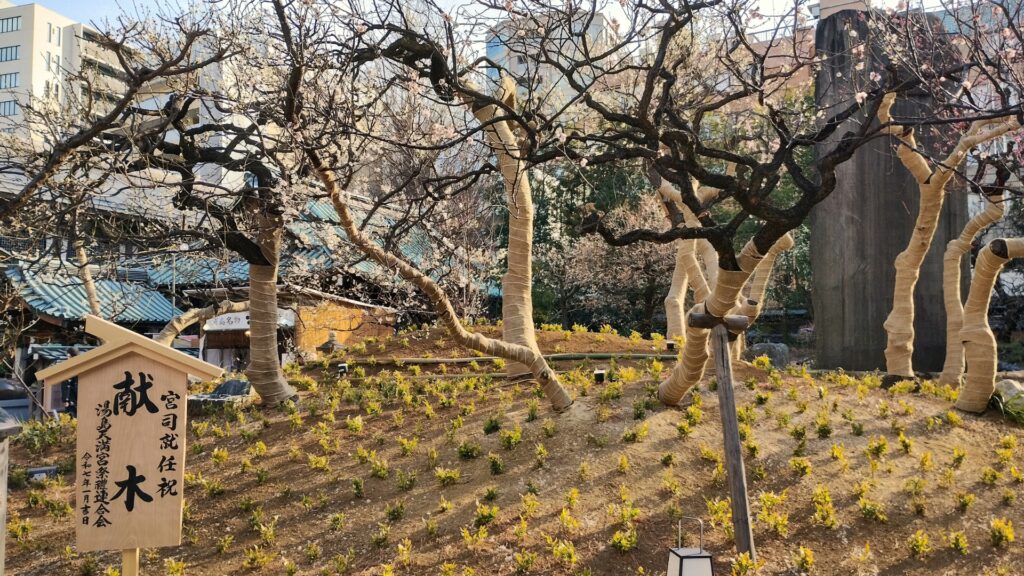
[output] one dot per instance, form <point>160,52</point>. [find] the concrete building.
<point>43,55</point>
<point>515,47</point>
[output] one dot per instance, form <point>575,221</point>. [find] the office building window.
<point>8,108</point>
<point>12,24</point>
<point>9,80</point>
<point>8,53</point>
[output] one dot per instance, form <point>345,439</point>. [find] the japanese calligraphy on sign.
<point>131,440</point>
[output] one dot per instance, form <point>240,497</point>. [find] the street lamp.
<point>690,561</point>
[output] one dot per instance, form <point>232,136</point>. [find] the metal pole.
<point>174,282</point>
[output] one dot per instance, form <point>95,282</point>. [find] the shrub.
<point>563,550</point>
<point>447,476</point>
<point>524,561</point>
<point>964,501</point>
<point>492,425</point>
<point>469,450</point>
<point>872,510</point>
<point>256,558</point>
<point>919,544</point>
<point>824,511</point>
<point>804,559</point>
<point>406,480</point>
<point>484,515</point>
<point>337,521</point>
<point>624,540</point>
<point>380,537</point>
<point>496,463</point>
<point>395,512</point>
<point>1001,532</point>
<point>958,542</point>
<point>802,466</point>
<point>512,438</point>
<point>636,433</point>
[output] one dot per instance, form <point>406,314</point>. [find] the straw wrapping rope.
<point>976,334</point>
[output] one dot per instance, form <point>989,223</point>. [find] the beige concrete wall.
<point>313,324</point>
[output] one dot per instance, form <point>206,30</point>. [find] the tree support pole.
<point>722,331</point>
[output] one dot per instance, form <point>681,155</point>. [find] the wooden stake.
<point>130,562</point>
<point>733,450</point>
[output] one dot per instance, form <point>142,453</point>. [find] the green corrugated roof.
<point>62,295</point>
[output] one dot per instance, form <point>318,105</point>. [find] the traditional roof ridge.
<point>117,342</point>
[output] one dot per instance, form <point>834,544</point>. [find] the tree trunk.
<point>753,302</point>
<point>85,274</point>
<point>687,271</point>
<point>976,334</point>
<point>196,315</point>
<point>758,285</point>
<point>690,369</point>
<point>953,370</point>
<point>528,356</point>
<point>264,371</point>
<point>675,301</point>
<point>517,282</point>
<point>899,326</point>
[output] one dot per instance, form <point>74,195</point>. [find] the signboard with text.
<point>131,455</point>
<point>130,447</point>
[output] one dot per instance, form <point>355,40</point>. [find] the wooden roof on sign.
<point>117,342</point>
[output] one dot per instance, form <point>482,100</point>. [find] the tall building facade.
<point>43,56</point>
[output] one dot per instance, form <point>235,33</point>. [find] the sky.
<point>89,10</point>
<point>96,10</point>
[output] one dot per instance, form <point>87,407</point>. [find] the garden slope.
<point>293,505</point>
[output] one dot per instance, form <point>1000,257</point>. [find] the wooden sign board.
<point>130,449</point>
<point>130,455</point>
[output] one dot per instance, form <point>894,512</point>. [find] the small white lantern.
<point>342,368</point>
<point>670,345</point>
<point>599,376</point>
<point>690,561</point>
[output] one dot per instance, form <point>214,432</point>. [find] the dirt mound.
<point>400,476</point>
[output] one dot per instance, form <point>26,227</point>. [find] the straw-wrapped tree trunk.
<point>517,282</point>
<point>953,369</point>
<point>690,369</point>
<point>757,287</point>
<point>548,379</point>
<point>264,370</point>
<point>976,334</point>
<point>192,316</point>
<point>687,272</point>
<point>932,184</point>
<point>752,278</point>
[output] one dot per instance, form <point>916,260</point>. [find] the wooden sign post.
<point>130,448</point>
<point>722,330</point>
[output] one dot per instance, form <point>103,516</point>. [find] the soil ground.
<point>294,505</point>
